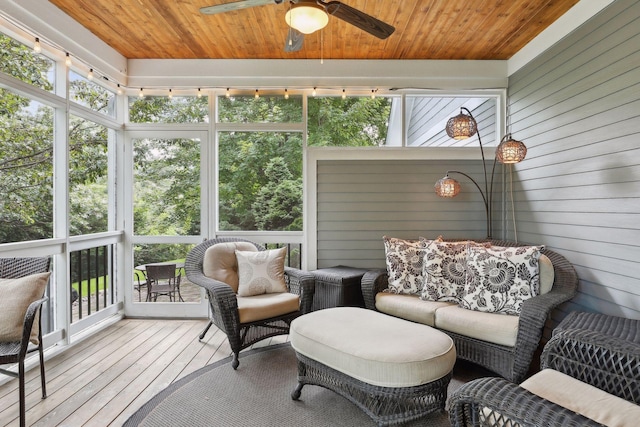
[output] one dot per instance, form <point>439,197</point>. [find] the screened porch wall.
<point>359,201</point>
<point>578,107</point>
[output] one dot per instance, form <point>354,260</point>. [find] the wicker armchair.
<point>599,350</point>
<point>510,362</point>
<point>15,352</point>
<point>224,305</point>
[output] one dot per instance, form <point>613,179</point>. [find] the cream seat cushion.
<point>497,328</point>
<point>220,262</point>
<point>373,347</point>
<point>583,398</point>
<point>260,307</point>
<point>409,307</point>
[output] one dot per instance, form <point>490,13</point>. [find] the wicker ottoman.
<point>393,369</point>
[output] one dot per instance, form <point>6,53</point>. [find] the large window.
<point>166,187</point>
<point>349,121</point>
<point>88,177</point>
<point>162,109</point>
<point>260,181</point>
<point>260,163</point>
<point>20,61</point>
<point>91,95</point>
<point>26,169</point>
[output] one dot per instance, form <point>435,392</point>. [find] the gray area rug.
<point>258,394</point>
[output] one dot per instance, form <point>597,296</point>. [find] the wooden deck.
<point>104,379</point>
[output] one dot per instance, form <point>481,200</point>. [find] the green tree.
<point>350,122</point>
<point>278,204</point>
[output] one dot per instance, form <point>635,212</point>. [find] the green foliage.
<point>278,204</point>
<point>161,109</point>
<point>245,163</point>
<point>350,122</point>
<point>259,173</point>
<point>265,109</point>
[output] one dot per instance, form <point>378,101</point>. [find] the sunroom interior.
<point>143,157</point>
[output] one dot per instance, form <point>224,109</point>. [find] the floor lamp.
<point>509,151</point>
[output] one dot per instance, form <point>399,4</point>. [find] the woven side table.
<point>338,287</point>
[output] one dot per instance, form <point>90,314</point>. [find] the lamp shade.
<point>461,126</point>
<point>306,17</point>
<point>447,187</point>
<point>511,150</point>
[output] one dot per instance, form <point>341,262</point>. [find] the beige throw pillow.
<point>261,272</point>
<point>15,297</point>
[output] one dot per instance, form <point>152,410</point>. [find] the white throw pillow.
<point>15,297</point>
<point>261,272</point>
<point>445,265</point>
<point>404,260</point>
<point>499,278</point>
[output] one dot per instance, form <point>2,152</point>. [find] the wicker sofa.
<point>590,376</point>
<point>510,361</point>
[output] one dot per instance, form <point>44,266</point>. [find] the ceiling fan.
<point>307,16</point>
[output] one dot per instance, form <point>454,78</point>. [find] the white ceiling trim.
<point>278,73</point>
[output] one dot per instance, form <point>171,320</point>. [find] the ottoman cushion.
<point>373,347</point>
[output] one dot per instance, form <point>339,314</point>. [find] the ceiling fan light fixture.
<point>307,17</point>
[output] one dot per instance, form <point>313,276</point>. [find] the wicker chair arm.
<point>303,283</point>
<point>496,401</point>
<point>607,362</point>
<point>27,325</point>
<point>222,300</point>
<point>372,282</point>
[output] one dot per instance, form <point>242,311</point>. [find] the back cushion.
<point>547,274</point>
<point>220,262</point>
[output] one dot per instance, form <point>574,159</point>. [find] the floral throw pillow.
<point>404,265</point>
<point>499,278</point>
<point>444,270</point>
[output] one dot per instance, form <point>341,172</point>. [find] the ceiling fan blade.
<point>355,17</point>
<point>236,5</point>
<point>294,40</point>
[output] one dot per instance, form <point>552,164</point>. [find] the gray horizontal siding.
<point>428,117</point>
<point>358,202</point>
<point>577,107</point>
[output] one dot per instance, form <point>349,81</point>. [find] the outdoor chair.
<point>245,319</point>
<point>161,280</point>
<point>590,377</point>
<point>15,350</point>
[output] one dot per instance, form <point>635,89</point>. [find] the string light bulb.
<point>199,93</point>
<point>67,60</point>
<point>314,93</point>
<point>37,47</point>
<point>373,94</point>
<point>344,94</point>
<point>141,93</point>
<point>90,74</point>
<point>170,94</point>
<point>257,95</point>
<point>119,89</point>
<point>286,94</point>
<point>227,94</point>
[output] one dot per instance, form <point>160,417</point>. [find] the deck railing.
<point>91,287</point>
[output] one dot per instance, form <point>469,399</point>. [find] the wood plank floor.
<point>104,379</point>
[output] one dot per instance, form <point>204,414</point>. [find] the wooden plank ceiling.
<point>425,29</point>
